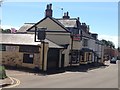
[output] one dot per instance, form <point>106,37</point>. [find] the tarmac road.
<point>104,77</point>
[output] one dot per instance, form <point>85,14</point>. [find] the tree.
<point>108,43</point>
<point>104,42</point>
<point>6,31</point>
<point>111,44</point>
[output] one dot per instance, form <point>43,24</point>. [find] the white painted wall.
<point>91,44</point>
<point>77,45</point>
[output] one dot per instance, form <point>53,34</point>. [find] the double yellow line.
<point>12,83</point>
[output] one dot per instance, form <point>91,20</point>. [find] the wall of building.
<point>102,54</point>
<point>91,44</point>
<point>77,45</point>
<point>12,57</point>
<point>59,38</point>
<point>67,56</point>
<point>45,55</point>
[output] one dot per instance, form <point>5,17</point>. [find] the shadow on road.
<point>80,68</point>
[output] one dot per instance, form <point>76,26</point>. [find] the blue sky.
<point>101,16</point>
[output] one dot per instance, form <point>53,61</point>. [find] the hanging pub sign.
<point>41,33</point>
<point>76,37</point>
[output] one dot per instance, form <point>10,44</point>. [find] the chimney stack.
<point>66,16</point>
<point>48,11</point>
<point>94,35</point>
<point>78,18</point>
<point>84,27</point>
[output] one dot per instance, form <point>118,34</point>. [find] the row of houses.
<point>68,42</point>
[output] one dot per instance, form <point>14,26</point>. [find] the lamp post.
<point>41,35</point>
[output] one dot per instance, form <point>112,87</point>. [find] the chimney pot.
<point>67,14</point>
<point>47,6</point>
<point>50,6</point>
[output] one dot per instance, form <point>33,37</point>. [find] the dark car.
<point>113,60</point>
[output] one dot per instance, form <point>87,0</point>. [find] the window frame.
<point>2,47</point>
<point>27,59</point>
<point>85,42</point>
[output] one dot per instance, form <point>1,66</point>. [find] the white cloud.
<point>9,27</point>
<point>114,39</point>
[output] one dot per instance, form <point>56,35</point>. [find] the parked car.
<point>113,60</point>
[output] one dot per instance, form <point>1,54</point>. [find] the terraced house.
<point>68,42</point>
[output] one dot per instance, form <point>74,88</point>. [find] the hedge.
<point>2,72</point>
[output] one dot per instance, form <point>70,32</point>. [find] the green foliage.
<point>108,43</point>
<point>2,72</point>
<point>5,31</point>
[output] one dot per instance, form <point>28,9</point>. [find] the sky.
<point>102,17</point>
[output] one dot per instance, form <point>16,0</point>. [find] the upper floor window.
<point>85,42</point>
<point>75,31</point>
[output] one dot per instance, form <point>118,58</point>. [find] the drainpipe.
<point>71,49</point>
<point>43,55</point>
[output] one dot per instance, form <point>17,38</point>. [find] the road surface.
<point>104,77</point>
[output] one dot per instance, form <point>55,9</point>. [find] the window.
<point>75,56</point>
<point>85,42</point>
<point>30,49</point>
<point>28,58</point>
<point>2,47</point>
<point>11,48</point>
<point>75,31</point>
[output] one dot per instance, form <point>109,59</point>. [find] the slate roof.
<point>68,22</point>
<point>23,39</point>
<point>84,34</point>
<point>25,27</point>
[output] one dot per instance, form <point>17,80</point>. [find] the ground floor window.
<point>2,47</point>
<point>75,56</point>
<point>28,58</point>
<point>86,56</point>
